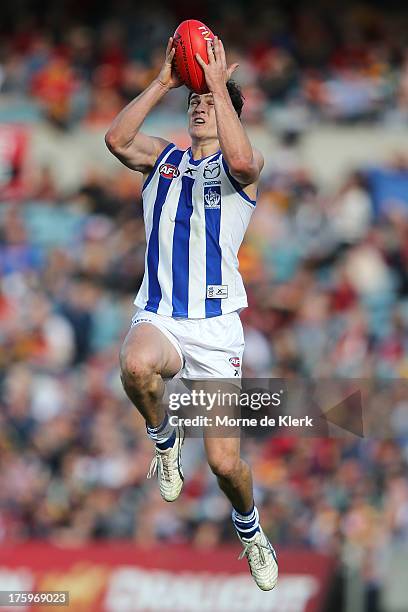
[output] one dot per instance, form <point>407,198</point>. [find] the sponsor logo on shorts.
<point>136,321</point>
<point>169,171</point>
<point>217,291</point>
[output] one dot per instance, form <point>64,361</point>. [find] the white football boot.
<point>167,463</point>
<point>262,560</point>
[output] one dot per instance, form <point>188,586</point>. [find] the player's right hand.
<point>168,76</point>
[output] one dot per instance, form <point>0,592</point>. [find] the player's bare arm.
<point>245,163</point>
<point>133,148</point>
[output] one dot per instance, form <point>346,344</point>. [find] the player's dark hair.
<point>235,93</point>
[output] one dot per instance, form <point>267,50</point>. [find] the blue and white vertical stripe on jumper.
<point>195,217</point>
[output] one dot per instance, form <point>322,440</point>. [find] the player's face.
<point>201,116</point>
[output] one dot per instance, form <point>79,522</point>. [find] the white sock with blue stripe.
<point>246,523</point>
<point>164,435</point>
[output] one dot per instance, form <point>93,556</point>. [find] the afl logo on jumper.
<point>212,170</point>
<point>169,171</point>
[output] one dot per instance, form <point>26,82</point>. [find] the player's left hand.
<point>216,72</point>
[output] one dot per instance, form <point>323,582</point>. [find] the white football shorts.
<point>208,348</point>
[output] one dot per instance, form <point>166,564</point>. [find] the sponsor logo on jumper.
<point>189,171</point>
<point>217,291</point>
<point>212,182</point>
<point>212,170</point>
<point>169,171</point>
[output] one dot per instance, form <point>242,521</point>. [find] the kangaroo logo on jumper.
<point>169,171</point>
<point>212,170</point>
<point>212,197</point>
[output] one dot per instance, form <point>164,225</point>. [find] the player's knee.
<point>136,367</point>
<point>225,467</point>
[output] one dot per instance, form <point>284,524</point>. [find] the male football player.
<point>197,205</point>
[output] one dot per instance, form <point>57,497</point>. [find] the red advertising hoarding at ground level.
<point>121,577</point>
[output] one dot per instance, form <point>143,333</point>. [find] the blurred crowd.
<point>328,295</point>
<point>326,272</point>
<point>80,62</point>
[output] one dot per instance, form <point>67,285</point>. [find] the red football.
<point>190,38</point>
